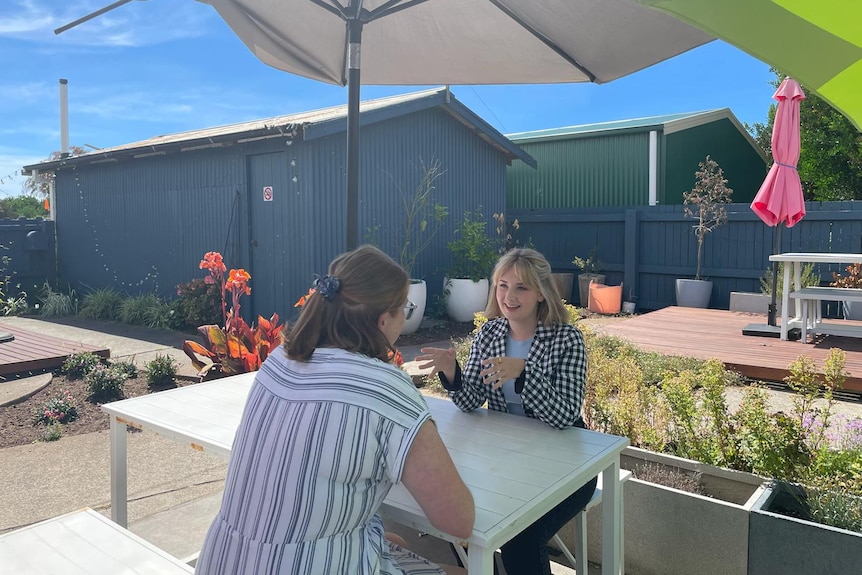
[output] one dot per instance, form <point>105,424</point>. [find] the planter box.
<point>781,544</point>
<point>751,302</point>
<point>673,532</point>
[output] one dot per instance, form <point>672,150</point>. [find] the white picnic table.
<point>793,268</point>
<point>517,468</point>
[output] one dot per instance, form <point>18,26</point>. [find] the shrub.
<point>133,309</point>
<point>53,432</point>
<point>199,303</point>
<point>79,365</point>
<point>669,477</point>
<point>105,382</point>
<point>126,366</point>
<point>58,409</point>
<point>102,304</point>
<point>161,371</point>
<point>57,304</point>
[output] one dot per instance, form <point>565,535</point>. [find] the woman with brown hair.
<point>330,425</point>
<point>526,360</point>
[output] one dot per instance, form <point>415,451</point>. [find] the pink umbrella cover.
<point>780,196</point>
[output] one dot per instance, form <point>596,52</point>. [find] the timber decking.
<point>712,333</point>
<point>34,351</point>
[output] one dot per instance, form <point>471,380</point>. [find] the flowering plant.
<point>59,409</point>
<point>237,347</point>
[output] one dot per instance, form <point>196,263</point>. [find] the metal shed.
<point>270,196</point>
<point>639,162</point>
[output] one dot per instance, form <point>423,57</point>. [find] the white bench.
<point>83,543</point>
<point>810,298</point>
<point>579,560</point>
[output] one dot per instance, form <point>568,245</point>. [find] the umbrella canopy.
<point>817,43</point>
<point>410,42</point>
<point>451,42</point>
<point>779,198</point>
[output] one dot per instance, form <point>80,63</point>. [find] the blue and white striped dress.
<point>319,446</point>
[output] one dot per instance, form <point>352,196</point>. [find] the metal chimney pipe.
<point>64,118</point>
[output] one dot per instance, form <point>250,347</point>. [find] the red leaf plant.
<point>238,347</point>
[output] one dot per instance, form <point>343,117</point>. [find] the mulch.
<point>18,426</point>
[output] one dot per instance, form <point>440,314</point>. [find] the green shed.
<point>644,161</point>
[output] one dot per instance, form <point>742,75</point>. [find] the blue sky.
<point>166,66</point>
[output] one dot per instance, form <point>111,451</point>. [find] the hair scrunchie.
<point>327,286</point>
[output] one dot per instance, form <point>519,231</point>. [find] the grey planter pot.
<point>852,310</point>
<point>782,544</point>
<point>564,282</point>
<point>673,532</point>
<point>584,286</point>
<point>693,293</point>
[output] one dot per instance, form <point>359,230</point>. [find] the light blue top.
<point>519,349</point>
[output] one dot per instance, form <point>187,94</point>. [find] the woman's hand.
<point>438,359</point>
<point>500,369</point>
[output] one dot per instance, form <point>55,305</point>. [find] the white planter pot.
<point>693,293</point>
<point>464,297</point>
<point>628,307</point>
<point>418,294</point>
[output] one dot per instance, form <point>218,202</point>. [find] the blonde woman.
<point>526,360</point>
<point>330,425</point>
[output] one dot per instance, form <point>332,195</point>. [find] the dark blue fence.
<point>648,248</point>
<point>28,249</point>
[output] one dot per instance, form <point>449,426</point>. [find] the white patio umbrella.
<point>410,42</point>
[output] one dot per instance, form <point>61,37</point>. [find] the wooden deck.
<point>35,352</point>
<point>710,333</point>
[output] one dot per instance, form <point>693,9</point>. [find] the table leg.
<point>119,474</point>
<point>612,550</point>
<point>785,300</point>
<point>480,561</point>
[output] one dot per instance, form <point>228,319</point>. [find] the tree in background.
<point>38,185</point>
<point>22,207</point>
<point>830,161</point>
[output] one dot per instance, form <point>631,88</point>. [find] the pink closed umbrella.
<point>779,198</point>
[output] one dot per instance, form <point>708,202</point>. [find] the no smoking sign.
<point>267,193</point>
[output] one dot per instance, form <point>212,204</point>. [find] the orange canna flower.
<point>213,261</point>
<point>238,280</point>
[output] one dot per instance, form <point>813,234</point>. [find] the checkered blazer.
<point>555,373</point>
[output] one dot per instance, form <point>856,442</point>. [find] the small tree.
<point>423,217</point>
<point>707,203</point>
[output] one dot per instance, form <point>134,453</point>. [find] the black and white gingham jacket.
<point>554,377</point>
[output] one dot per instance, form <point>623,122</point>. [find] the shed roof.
<point>311,125</point>
<point>667,123</point>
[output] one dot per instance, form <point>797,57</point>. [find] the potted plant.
<point>630,304</point>
<point>707,204</point>
<point>589,267</point>
<point>473,258</point>
<point>853,279</point>
<point>423,218</point>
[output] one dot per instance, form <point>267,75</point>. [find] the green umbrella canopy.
<point>818,43</point>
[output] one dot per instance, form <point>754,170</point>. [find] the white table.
<point>793,263</point>
<point>83,543</point>
<point>517,468</point>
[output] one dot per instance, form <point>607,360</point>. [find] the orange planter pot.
<point>605,299</point>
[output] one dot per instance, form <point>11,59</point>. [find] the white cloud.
<point>133,24</point>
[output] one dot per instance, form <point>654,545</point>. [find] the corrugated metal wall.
<point>743,167</point>
<point>142,226</point>
<point>610,170</point>
<point>650,247</point>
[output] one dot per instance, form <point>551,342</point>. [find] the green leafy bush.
<point>473,252</point>
<point>102,304</point>
<point>199,303</point>
<point>161,371</point>
<point>53,432</point>
<point>126,366</point>
<point>105,382</point>
<point>79,365</point>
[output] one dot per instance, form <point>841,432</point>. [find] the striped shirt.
<point>319,446</point>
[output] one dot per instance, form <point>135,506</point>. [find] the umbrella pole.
<point>776,249</point>
<point>354,31</point>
